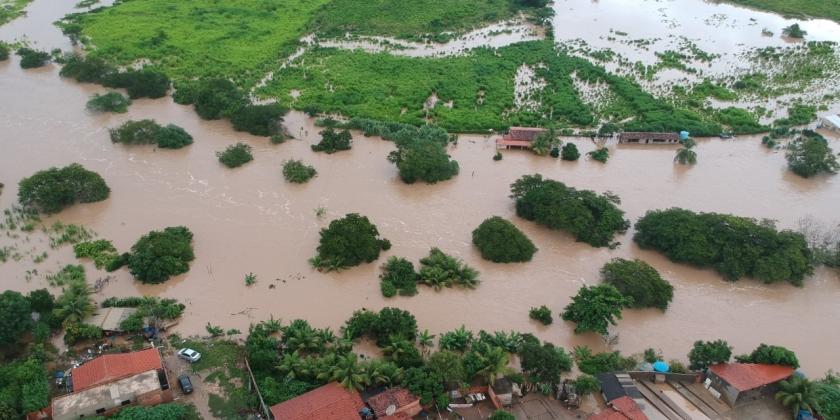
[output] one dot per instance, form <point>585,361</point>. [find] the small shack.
<point>739,382</point>
<point>502,389</point>
<point>109,319</point>
<point>648,137</point>
<point>519,138</point>
<point>395,403</point>
<point>830,122</point>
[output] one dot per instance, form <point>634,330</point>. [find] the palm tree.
<point>293,366</point>
<point>75,304</point>
<point>685,155</point>
<point>458,340</point>
<point>426,341</point>
<point>494,363</point>
<point>303,338</point>
<point>326,336</point>
<point>349,373</point>
<point>797,394</point>
<point>381,372</point>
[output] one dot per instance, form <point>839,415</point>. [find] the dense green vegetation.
<point>259,120</point>
<point>54,189</point>
<point>774,355</point>
<point>706,353</point>
<point>421,152</point>
<point>24,387</point>
<point>798,394</point>
<point>386,327</point>
<point>150,310</point>
<point>821,9</point>
<point>4,52</point>
<point>570,152</point>
<point>827,395</point>
<point>398,277</point>
<point>102,252</point>
<point>14,316</point>
<point>333,141</point>
<point>600,154</point>
<point>810,155</point>
<point>347,242</point>
<point>30,59</point>
<point>159,255</point>
<point>11,9</point>
<point>595,308</point>
<point>638,280</point>
<point>235,155</point>
<point>590,217</point>
<point>440,270</point>
<point>541,314</point>
<point>409,20</point>
<point>298,172</point>
<point>734,246</point>
<point>170,136</point>
<point>168,411</point>
<point>109,102</point>
<point>594,364</point>
<point>501,241</point>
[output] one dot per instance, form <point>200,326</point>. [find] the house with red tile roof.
<point>112,367</point>
<point>395,403</point>
<point>329,402</point>
<point>623,408</point>
<point>735,382</point>
<point>519,137</point>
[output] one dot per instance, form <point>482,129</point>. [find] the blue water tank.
<point>684,135</point>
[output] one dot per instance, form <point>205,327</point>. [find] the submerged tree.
<point>686,154</point>
<point>333,141</point>
<point>54,189</point>
<point>347,242</point>
<point>794,31</point>
<point>501,241</point>
<point>421,155</point>
<point>810,155</point>
<point>638,280</point>
<point>159,255</point>
<point>595,308</point>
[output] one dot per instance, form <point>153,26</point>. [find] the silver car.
<point>189,355</point>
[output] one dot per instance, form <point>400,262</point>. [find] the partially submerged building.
<point>519,138</point>
<point>329,402</point>
<point>738,382</point>
<point>112,381</point>
<point>110,319</point>
<point>648,137</point>
<point>830,122</point>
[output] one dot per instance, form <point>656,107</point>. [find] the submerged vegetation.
<point>298,172</point>
<point>810,155</point>
<point>235,155</point>
<point>421,155</point>
<point>440,270</point>
<point>170,136</point>
<point>54,189</point>
<point>638,280</point>
<point>109,102</point>
<point>159,255</point>
<point>348,242</point>
<point>501,241</point>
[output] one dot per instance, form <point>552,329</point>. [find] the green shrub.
<point>298,172</point>
<point>333,141</point>
<point>706,353</point>
<point>570,152</point>
<point>601,154</point>
<point>590,217</point>
<point>638,280</point>
<point>138,83</point>
<point>15,316</point>
<point>498,156</point>
<point>794,31</point>
<point>347,242</point>
<point>439,270</point>
<point>501,241</point>
<point>421,155</point>
<point>502,415</point>
<point>109,102</point>
<point>733,246</point>
<point>587,384</point>
<point>30,59</point>
<point>541,314</point>
<point>85,69</point>
<point>217,98</point>
<point>810,155</point>
<point>54,189</point>
<point>259,120</point>
<point>740,121</point>
<point>798,114</point>
<point>101,251</point>
<point>544,363</point>
<point>398,275</point>
<point>235,155</point>
<point>594,364</point>
<point>4,52</point>
<point>135,132</point>
<point>386,326</point>
<point>75,332</point>
<point>159,255</point>
<point>172,136</point>
<point>773,355</point>
<point>595,308</point>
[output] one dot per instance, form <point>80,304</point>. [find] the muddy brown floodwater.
<point>250,220</point>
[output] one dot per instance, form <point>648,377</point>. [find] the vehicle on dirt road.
<point>189,355</point>
<point>185,383</point>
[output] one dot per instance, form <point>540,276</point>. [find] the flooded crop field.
<point>249,220</point>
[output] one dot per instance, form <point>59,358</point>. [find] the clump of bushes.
<point>54,189</point>
<point>75,332</point>
<point>30,59</point>
<point>541,314</point>
<point>638,280</point>
<point>594,364</point>
<point>569,152</point>
<point>170,136</point>
<point>388,325</point>
<point>810,155</point>
<point>601,154</point>
<point>109,102</point>
<point>595,308</point>
<point>794,31</point>
<point>773,355</point>
<point>333,141</point>
<point>440,270</point>
<point>259,120</point>
<point>143,83</point>
<point>398,277</point>
<point>213,98</point>
<point>4,52</point>
<point>348,242</point>
<point>421,155</point>
<point>706,353</point>
<point>502,242</point>
<point>298,172</point>
<point>159,255</point>
<point>734,246</point>
<point>590,217</point>
<point>102,252</point>
<point>235,155</point>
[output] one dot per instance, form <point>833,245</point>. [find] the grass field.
<point>231,38</point>
<point>407,19</point>
<point>828,9</point>
<point>11,9</point>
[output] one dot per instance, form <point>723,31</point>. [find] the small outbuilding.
<point>502,389</point>
<point>648,137</point>
<point>830,122</point>
<point>737,382</point>
<point>110,319</point>
<point>395,403</point>
<point>519,138</point>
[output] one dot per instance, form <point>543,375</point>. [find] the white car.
<point>189,355</point>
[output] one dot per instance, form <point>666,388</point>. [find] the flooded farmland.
<point>250,220</point>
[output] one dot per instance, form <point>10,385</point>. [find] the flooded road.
<point>251,220</point>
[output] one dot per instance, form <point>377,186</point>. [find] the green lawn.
<point>407,19</point>
<point>11,9</point>
<point>829,9</point>
<point>190,38</point>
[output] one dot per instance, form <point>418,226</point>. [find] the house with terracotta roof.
<point>395,403</point>
<point>329,402</point>
<point>519,137</point>
<point>739,382</point>
<point>110,382</point>
<point>622,408</point>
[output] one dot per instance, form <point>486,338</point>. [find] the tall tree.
<point>14,316</point>
<point>706,353</point>
<point>595,308</point>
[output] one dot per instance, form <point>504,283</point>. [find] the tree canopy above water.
<point>55,189</point>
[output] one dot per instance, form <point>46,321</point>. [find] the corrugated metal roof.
<point>112,367</point>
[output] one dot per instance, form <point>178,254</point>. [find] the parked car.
<point>185,383</point>
<point>189,355</point>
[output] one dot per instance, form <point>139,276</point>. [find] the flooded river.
<point>251,220</point>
